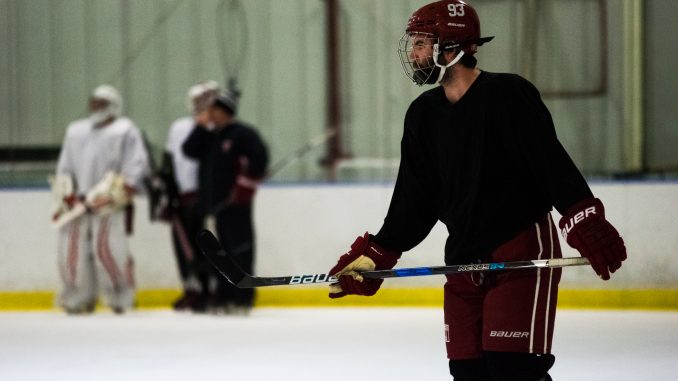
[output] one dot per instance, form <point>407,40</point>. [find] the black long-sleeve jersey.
<point>224,154</point>
<point>487,166</point>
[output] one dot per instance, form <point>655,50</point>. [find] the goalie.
<point>101,162</point>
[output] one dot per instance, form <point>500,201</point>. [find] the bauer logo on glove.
<point>585,228</point>
<point>577,218</point>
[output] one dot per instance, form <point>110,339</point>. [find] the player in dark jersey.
<point>232,161</point>
<point>480,154</point>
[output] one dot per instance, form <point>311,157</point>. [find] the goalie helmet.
<point>446,25</point>
<point>113,101</point>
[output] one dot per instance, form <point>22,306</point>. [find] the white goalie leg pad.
<point>113,260</point>
<point>76,267</point>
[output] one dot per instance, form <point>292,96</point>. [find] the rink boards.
<point>304,228</point>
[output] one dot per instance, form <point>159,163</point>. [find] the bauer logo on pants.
<point>509,334</point>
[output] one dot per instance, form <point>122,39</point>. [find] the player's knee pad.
<point>510,366</point>
<point>469,370</point>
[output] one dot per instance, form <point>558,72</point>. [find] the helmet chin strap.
<point>443,68</point>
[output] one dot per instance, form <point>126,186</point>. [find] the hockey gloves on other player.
<point>245,185</point>
<point>364,255</point>
<point>585,228</point>
<point>243,190</point>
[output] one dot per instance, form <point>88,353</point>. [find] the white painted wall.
<point>303,229</point>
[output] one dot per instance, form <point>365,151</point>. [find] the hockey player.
<point>480,154</point>
<point>100,164</point>
<point>233,160</point>
<point>180,173</point>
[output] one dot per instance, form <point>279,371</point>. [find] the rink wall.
<point>303,229</point>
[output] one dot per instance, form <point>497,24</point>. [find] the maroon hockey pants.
<point>511,311</point>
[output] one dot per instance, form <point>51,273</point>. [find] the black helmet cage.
<point>413,70</point>
<point>431,73</point>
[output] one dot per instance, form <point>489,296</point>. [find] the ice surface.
<point>310,344</point>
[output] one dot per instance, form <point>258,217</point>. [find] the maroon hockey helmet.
<point>450,25</point>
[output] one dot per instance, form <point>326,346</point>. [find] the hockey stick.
<point>225,264</point>
<point>300,152</point>
<point>78,210</point>
<point>284,162</point>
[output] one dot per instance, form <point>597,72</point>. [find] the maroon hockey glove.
<point>245,185</point>
<point>363,256</point>
<point>585,228</point>
<point>243,190</point>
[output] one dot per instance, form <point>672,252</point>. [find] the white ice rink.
<point>310,344</point>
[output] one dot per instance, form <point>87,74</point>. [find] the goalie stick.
<point>226,265</point>
<point>64,218</point>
